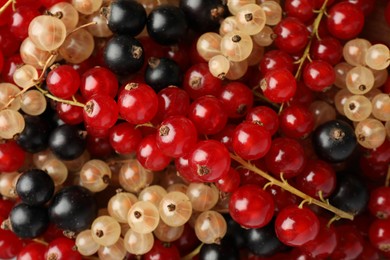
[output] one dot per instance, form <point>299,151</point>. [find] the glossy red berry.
<point>34,251</point>
<point>225,136</point>
<point>379,234</point>
<point>276,59</point>
<point>125,138</point>
<point>10,244</point>
<point>327,49</point>
<point>350,243</point>
<point>182,165</point>
<point>161,251</point>
<point>5,208</point>
<point>251,206</point>
<point>285,156</point>
<point>282,198</point>
<point>138,103</point>
<point>210,160</point>
<point>176,136</point>
<point>71,115</point>
<point>150,156</point>
<point>300,9</point>
<point>264,116</point>
<point>296,121</point>
<point>100,112</point>
<point>317,176</point>
<point>303,95</point>
<point>279,85</point>
<point>237,99</point>
<point>251,141</point>
<point>296,226</point>
<point>172,101</point>
<point>62,249</point>
<point>379,203</point>
<point>98,80</point>
<point>20,20</point>
<point>9,67</point>
<point>345,20</point>
<point>291,35</point>
<point>198,81</point>
<point>63,81</point>
<point>318,75</point>
<point>208,115</point>
<point>11,156</point>
<point>229,182</point>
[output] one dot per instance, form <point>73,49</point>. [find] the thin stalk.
<point>193,253</point>
<point>284,185</point>
<point>69,102</point>
<point>6,5</point>
<point>387,182</point>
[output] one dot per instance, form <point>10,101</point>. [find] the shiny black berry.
<point>73,208</point>
<point>204,15</point>
<point>28,221</point>
<point>226,250</point>
<point>263,241</point>
<point>35,135</point>
<point>334,141</point>
<point>35,187</point>
<point>166,24</point>
<point>351,194</point>
<point>162,73</point>
<point>126,17</point>
<point>124,55</point>
<point>66,142</point>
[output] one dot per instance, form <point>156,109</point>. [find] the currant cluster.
<point>193,129</point>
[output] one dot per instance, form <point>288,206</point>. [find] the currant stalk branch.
<point>50,96</point>
<point>387,182</point>
<point>191,255</point>
<point>286,186</point>
<point>306,54</point>
<point>6,5</point>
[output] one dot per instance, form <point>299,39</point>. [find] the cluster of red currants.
<point>193,129</point>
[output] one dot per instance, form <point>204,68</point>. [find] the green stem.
<point>69,102</point>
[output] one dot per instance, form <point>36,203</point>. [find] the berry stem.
<point>191,255</point>
<point>284,185</point>
<point>5,6</point>
<point>306,54</point>
<point>69,102</point>
<point>387,182</point>
<point>263,98</point>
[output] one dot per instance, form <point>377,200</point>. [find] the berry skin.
<point>291,35</point>
<point>379,203</point>
<point>379,234</point>
<point>318,75</point>
<point>125,138</point>
<point>279,85</point>
<point>98,80</point>
<point>251,141</point>
<point>34,251</point>
<point>100,112</point>
<point>264,116</point>
<point>296,226</point>
<point>63,81</point>
<point>62,249</point>
<point>10,244</point>
<point>150,156</point>
<point>138,103</point>
<point>251,206</point>
<point>237,99</point>
<point>11,156</point>
<point>296,121</point>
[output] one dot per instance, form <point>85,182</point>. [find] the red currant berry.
<point>100,112</point>
<point>99,147</point>
<point>20,20</point>
<point>198,81</point>
<point>327,49</point>
<point>63,81</point>
<point>317,176</point>
<point>303,95</point>
<point>380,155</point>
<point>285,156</point>
<point>162,251</point>
<point>264,116</point>
<point>237,99</point>
<point>282,198</point>
<point>98,80</point>
<point>249,177</point>
<point>5,16</point>
<point>345,20</point>
<point>49,3</point>
<point>10,244</point>
<point>318,75</point>
<point>210,160</point>
<point>300,9</point>
<point>62,249</point>
<point>225,136</point>
<point>324,244</point>
<point>276,59</point>
<point>183,168</point>
<point>296,121</point>
<point>150,156</point>
<point>251,206</point>
<point>367,6</point>
<point>5,208</point>
<point>71,115</point>
<point>176,136</point>
<point>208,115</point>
<point>350,243</point>
<point>379,203</point>
<point>125,138</point>
<point>34,251</point>
<point>291,35</point>
<point>279,85</point>
<point>229,182</point>
<point>172,101</point>
<point>138,103</point>
<point>11,156</point>
<point>251,141</point>
<point>296,226</point>
<point>187,241</point>
<point>9,67</point>
<point>379,234</point>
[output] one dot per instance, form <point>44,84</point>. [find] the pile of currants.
<point>193,129</point>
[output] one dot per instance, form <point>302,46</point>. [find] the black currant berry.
<point>166,24</point>
<point>235,231</point>
<point>162,73</point>
<point>28,221</point>
<point>351,194</point>
<point>334,141</point>
<point>35,135</point>
<point>204,15</point>
<point>66,142</point>
<point>263,241</point>
<point>73,208</point>
<point>124,55</point>
<point>126,17</point>
<point>226,250</point>
<point>35,187</point>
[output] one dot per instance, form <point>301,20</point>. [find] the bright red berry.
<point>150,156</point>
<point>264,116</point>
<point>379,203</point>
<point>63,81</point>
<point>237,99</point>
<point>291,35</point>
<point>125,138</point>
<point>296,121</point>
<point>98,80</point>
<point>62,249</point>
<point>279,85</point>
<point>100,112</point>
<point>318,75</point>
<point>11,156</point>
